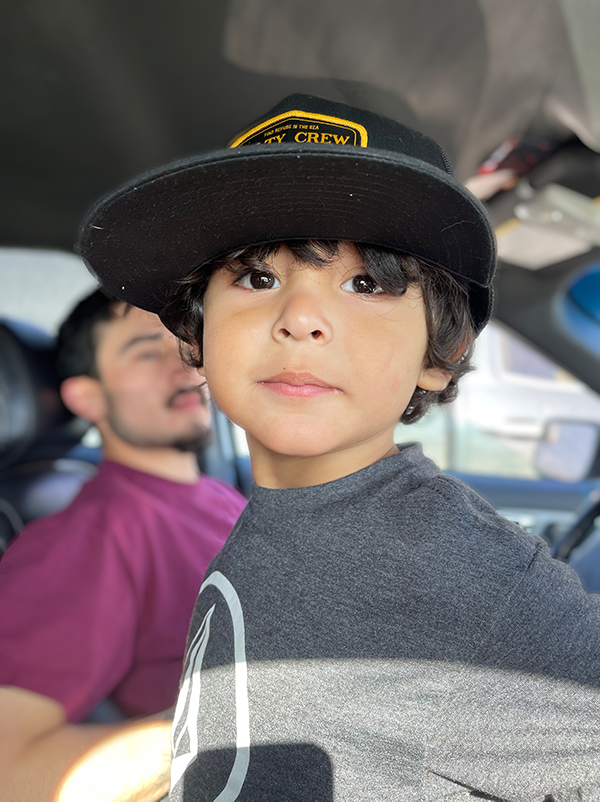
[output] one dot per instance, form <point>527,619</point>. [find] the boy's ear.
<point>434,379</point>
<point>84,397</point>
<point>437,379</point>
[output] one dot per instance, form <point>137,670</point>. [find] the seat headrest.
<point>34,423</point>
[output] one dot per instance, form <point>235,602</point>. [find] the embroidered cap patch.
<point>301,127</point>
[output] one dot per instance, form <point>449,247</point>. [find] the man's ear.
<point>84,397</point>
<point>433,379</point>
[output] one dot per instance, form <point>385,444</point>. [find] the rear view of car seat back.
<point>36,432</point>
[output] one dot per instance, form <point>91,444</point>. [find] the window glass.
<point>41,287</point>
<point>521,360</point>
<point>502,410</point>
<point>585,291</point>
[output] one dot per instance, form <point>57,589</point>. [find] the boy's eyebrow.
<point>141,338</point>
<point>236,266</point>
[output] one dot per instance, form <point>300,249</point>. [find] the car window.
<point>502,410</point>
<point>40,286</point>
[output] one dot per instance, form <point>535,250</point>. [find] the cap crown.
<point>306,120</point>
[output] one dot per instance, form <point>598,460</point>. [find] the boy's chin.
<point>291,444</point>
<point>291,450</point>
<point>313,438</point>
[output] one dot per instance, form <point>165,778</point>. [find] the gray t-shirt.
<point>387,636</point>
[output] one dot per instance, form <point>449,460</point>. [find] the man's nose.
<point>303,315</point>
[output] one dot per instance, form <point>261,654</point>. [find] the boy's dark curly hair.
<point>451,333</point>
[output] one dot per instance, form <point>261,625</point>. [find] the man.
<point>96,600</point>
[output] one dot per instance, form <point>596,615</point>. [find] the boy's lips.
<point>298,385</point>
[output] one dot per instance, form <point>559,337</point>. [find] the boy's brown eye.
<point>362,285</point>
<point>258,280</point>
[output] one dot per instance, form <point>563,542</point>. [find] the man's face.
<point>152,398</point>
<point>313,361</point>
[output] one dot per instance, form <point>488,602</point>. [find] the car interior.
<point>101,91</point>
<point>95,92</point>
<point>37,432</point>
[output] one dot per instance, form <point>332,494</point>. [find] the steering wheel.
<point>581,529</point>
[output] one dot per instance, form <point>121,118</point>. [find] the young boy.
<point>372,629</point>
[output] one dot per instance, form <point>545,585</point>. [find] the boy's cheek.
<point>225,389</point>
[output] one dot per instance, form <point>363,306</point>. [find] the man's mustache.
<point>200,389</point>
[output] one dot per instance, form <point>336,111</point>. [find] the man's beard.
<point>195,445</point>
<point>195,442</point>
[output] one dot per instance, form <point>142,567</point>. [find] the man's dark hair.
<point>78,335</point>
<point>451,333</point>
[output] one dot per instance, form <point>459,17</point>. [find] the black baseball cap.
<point>308,169</point>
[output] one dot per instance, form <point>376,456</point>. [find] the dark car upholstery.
<point>36,432</point>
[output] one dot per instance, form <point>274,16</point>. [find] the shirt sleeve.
<point>548,625</point>
<point>67,611</point>
<point>522,720</point>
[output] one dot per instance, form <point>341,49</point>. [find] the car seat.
<point>37,477</point>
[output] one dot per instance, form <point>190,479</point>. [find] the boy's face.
<point>313,364</point>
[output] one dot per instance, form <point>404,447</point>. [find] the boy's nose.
<point>302,318</point>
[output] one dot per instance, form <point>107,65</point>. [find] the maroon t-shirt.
<point>95,601</point>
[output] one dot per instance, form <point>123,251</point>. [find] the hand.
<point>132,765</point>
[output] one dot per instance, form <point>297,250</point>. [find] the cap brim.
<point>145,236</point>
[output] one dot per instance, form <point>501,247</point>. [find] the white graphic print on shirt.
<point>185,751</point>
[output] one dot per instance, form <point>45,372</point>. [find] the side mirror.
<point>569,451</point>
